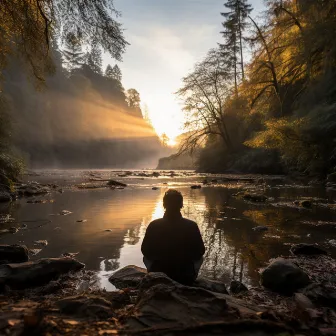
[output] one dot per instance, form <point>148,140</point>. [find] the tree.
<point>117,73</point>
<point>164,140</point>
<point>109,71</point>
<point>89,21</point>
<point>133,98</point>
<point>95,59</point>
<point>146,116</point>
<point>234,26</point>
<point>29,28</point>
<point>114,73</point>
<point>73,55</point>
<point>204,93</point>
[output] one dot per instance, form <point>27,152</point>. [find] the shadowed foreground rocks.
<point>153,304</point>
<point>13,253</point>
<point>36,273</point>
<point>284,277</point>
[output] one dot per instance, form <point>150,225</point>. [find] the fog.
<point>80,119</point>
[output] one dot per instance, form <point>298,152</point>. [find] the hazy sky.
<point>167,37</point>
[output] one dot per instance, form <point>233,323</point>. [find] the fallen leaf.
<point>13,322</point>
<point>108,332</point>
<point>71,322</point>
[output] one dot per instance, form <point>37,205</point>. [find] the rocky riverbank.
<point>297,296</point>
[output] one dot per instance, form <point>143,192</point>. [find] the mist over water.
<point>81,119</point>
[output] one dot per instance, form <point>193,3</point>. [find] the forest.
<point>58,107</point>
<point>264,100</point>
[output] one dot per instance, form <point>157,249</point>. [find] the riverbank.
<point>152,304</point>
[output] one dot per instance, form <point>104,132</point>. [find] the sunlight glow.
<point>172,142</point>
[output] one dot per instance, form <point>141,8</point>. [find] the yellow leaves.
<point>279,134</point>
<point>23,32</point>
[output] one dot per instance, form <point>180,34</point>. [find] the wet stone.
<point>37,273</point>
<point>13,254</point>
<point>236,287</point>
<point>129,276</point>
<point>307,250</point>
<point>284,277</point>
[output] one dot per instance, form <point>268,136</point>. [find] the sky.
<point>167,37</point>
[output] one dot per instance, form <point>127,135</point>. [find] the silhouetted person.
<point>173,244</point>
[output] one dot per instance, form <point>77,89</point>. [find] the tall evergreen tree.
<point>95,59</point>
<point>117,73</point>
<point>109,71</point>
<point>234,26</point>
<point>73,56</point>
<point>114,73</point>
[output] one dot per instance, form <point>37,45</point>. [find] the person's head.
<point>173,200</point>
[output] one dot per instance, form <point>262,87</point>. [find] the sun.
<point>172,142</point>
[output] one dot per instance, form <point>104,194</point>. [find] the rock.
<point>41,242</point>
<point>129,276</point>
<point>196,187</point>
<point>303,302</point>
<point>5,196</point>
<point>332,178</point>
<point>65,213</point>
<point>86,306</point>
<point>155,188</point>
<point>307,250</point>
<point>304,204</point>
<point>171,305</point>
<point>34,252</point>
<point>236,287</point>
<point>181,306</point>
<point>260,228</point>
<point>113,183</point>
<point>33,190</point>
<point>36,273</point>
<point>211,285</point>
<point>284,277</point>
<point>156,174</point>
<point>13,254</point>
<point>257,198</point>
<point>321,295</point>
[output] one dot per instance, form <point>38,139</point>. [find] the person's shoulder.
<point>189,222</point>
<point>155,222</point>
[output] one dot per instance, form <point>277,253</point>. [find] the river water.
<point>114,222</point>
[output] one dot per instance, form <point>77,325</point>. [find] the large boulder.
<point>13,254</point>
<point>129,276</point>
<point>172,308</point>
<point>307,250</point>
<point>36,273</point>
<point>284,277</point>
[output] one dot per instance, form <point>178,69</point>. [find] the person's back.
<point>173,245</point>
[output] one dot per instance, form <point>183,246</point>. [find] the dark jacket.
<point>173,243</point>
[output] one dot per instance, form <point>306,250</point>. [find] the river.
<point>113,222</point>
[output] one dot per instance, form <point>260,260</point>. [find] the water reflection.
<point>117,220</point>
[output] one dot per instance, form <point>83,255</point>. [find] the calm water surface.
<point>116,221</point>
